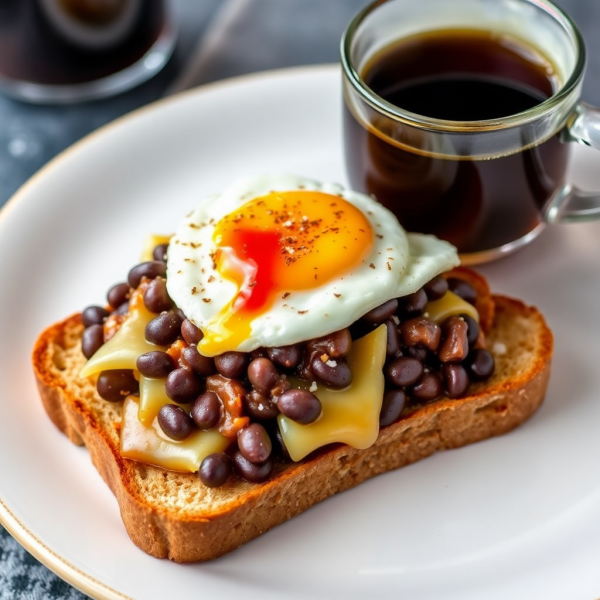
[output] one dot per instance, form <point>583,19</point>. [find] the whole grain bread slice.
<point>172,515</point>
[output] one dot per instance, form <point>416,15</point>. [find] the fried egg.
<point>276,260</point>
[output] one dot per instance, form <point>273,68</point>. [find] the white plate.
<point>513,517</point>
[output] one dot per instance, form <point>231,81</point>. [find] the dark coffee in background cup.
<point>458,75</point>
<point>461,75</point>
<point>73,42</point>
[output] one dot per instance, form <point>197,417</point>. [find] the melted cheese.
<point>449,305</point>
<point>350,416</point>
<point>152,398</point>
<point>150,243</point>
<point>123,349</point>
<point>150,445</point>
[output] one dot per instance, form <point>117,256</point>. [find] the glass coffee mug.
<point>458,117</point>
<point>72,50</point>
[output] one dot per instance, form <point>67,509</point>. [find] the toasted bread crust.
<point>247,510</point>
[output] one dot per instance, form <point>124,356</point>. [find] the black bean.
<point>175,422</point>
<point>392,346</point>
<point>381,313</point>
<point>263,375</point>
<point>436,288</point>
<point>155,364</point>
<point>280,445</point>
<point>421,354</point>
<point>206,410</point>
<point>183,386</point>
<point>117,384</point>
<point>164,329</point>
<point>94,315</point>
<point>455,343</point>
<point>259,353</point>
<point>480,364</point>
<point>413,304</point>
<point>359,329</point>
<point>393,403</point>
<point>203,365</point>
<point>260,407</point>
<point>181,314</point>
<point>286,357</point>
<point>118,294</point>
<point>301,406</point>
<point>91,340</point>
<point>463,289</point>
<point>215,469</point>
<point>404,370</point>
<point>336,375</point>
<point>473,331</point>
<point>456,380</point>
<point>283,385</point>
<point>151,270</point>
<point>254,443</point>
<point>190,333</point>
<point>156,297</point>
<point>123,309</point>
<point>250,471</point>
<point>421,331</point>
<point>339,343</point>
<point>232,364</point>
<point>336,344</point>
<point>160,252</point>
<point>428,389</point>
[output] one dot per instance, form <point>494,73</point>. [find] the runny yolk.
<point>275,245</point>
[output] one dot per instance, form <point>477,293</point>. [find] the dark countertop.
<point>240,36</point>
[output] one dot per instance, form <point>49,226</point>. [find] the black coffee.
<point>462,75</point>
<point>44,41</point>
<point>459,75</point>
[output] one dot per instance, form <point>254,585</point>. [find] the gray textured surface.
<point>259,35</point>
<point>31,135</point>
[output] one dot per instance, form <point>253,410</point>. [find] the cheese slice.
<point>152,398</point>
<point>150,243</point>
<point>351,415</point>
<point>124,348</point>
<point>449,305</point>
<point>150,445</point>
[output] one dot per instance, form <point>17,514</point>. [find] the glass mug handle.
<point>572,205</point>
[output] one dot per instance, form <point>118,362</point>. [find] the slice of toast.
<point>172,515</point>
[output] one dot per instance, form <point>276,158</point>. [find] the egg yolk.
<point>275,245</point>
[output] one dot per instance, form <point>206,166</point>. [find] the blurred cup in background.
<point>72,50</point>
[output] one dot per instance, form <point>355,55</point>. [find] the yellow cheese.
<point>150,243</point>
<point>449,305</point>
<point>150,445</point>
<point>123,349</point>
<point>152,398</point>
<point>350,416</point>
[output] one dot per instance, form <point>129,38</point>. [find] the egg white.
<point>402,262</point>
